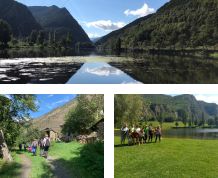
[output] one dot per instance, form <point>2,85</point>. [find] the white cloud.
<point>107,25</point>
<point>93,35</point>
<point>207,98</point>
<point>143,11</point>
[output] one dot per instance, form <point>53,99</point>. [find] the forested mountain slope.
<point>177,24</point>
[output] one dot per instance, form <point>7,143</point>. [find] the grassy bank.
<point>183,158</point>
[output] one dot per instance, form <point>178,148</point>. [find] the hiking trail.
<point>26,166</point>
<point>59,171</point>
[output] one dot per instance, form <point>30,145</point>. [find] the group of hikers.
<point>137,135</point>
<point>43,143</point>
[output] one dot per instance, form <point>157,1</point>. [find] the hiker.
<point>46,142</point>
<point>150,133</point>
<point>124,133</point>
<point>158,133</point>
<point>20,146</point>
<point>24,146</point>
<point>146,133</point>
<point>34,147</point>
<point>41,146</point>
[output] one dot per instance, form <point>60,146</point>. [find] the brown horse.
<point>135,138</point>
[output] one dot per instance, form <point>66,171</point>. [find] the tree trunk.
<point>4,152</point>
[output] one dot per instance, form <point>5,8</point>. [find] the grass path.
<point>58,169</point>
<point>26,166</point>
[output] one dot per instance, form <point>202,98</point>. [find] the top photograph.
<point>109,42</point>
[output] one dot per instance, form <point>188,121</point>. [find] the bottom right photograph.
<point>166,136</point>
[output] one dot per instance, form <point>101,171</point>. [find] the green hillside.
<point>177,24</point>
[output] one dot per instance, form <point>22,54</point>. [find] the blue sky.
<point>47,103</point>
<point>99,17</point>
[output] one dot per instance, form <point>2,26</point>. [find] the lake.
<point>94,68</point>
<point>194,133</point>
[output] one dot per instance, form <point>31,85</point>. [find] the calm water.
<point>100,73</point>
<point>194,133</point>
<point>91,68</point>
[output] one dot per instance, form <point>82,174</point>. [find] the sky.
<point>100,17</point>
<point>47,103</point>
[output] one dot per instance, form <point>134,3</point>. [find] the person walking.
<point>47,143</point>
<point>41,146</point>
<point>34,147</point>
<point>158,134</point>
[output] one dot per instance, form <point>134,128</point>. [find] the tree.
<point>216,121</point>
<point>5,33</point>
<point>13,110</point>
<point>211,122</point>
<point>177,124</point>
<point>41,38</point>
<point>33,37</point>
<point>88,110</point>
<point>128,109</point>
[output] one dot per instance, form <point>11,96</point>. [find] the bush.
<point>92,159</point>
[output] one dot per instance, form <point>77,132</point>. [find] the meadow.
<point>72,158</point>
<point>172,158</point>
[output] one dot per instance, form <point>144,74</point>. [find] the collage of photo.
<point>108,89</point>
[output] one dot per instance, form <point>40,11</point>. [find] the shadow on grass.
<point>88,161</point>
<point>47,172</point>
<point>127,145</point>
<point>12,169</point>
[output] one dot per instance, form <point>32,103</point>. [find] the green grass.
<point>40,167</point>
<point>82,160</point>
<point>12,169</point>
<point>172,158</point>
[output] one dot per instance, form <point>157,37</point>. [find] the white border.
<point>108,91</point>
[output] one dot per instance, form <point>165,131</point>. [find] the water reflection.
<point>100,73</point>
<point>192,133</point>
<point>127,68</point>
<point>37,70</point>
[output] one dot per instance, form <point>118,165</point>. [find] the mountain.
<point>56,118</point>
<point>169,105</point>
<point>18,17</point>
<point>179,23</point>
<point>59,20</point>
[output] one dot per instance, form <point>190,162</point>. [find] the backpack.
<point>47,142</point>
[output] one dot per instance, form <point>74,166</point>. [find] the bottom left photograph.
<point>51,136</point>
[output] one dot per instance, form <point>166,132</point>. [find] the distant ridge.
<point>18,17</point>
<point>59,20</point>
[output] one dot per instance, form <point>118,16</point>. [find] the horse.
<point>136,138</point>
